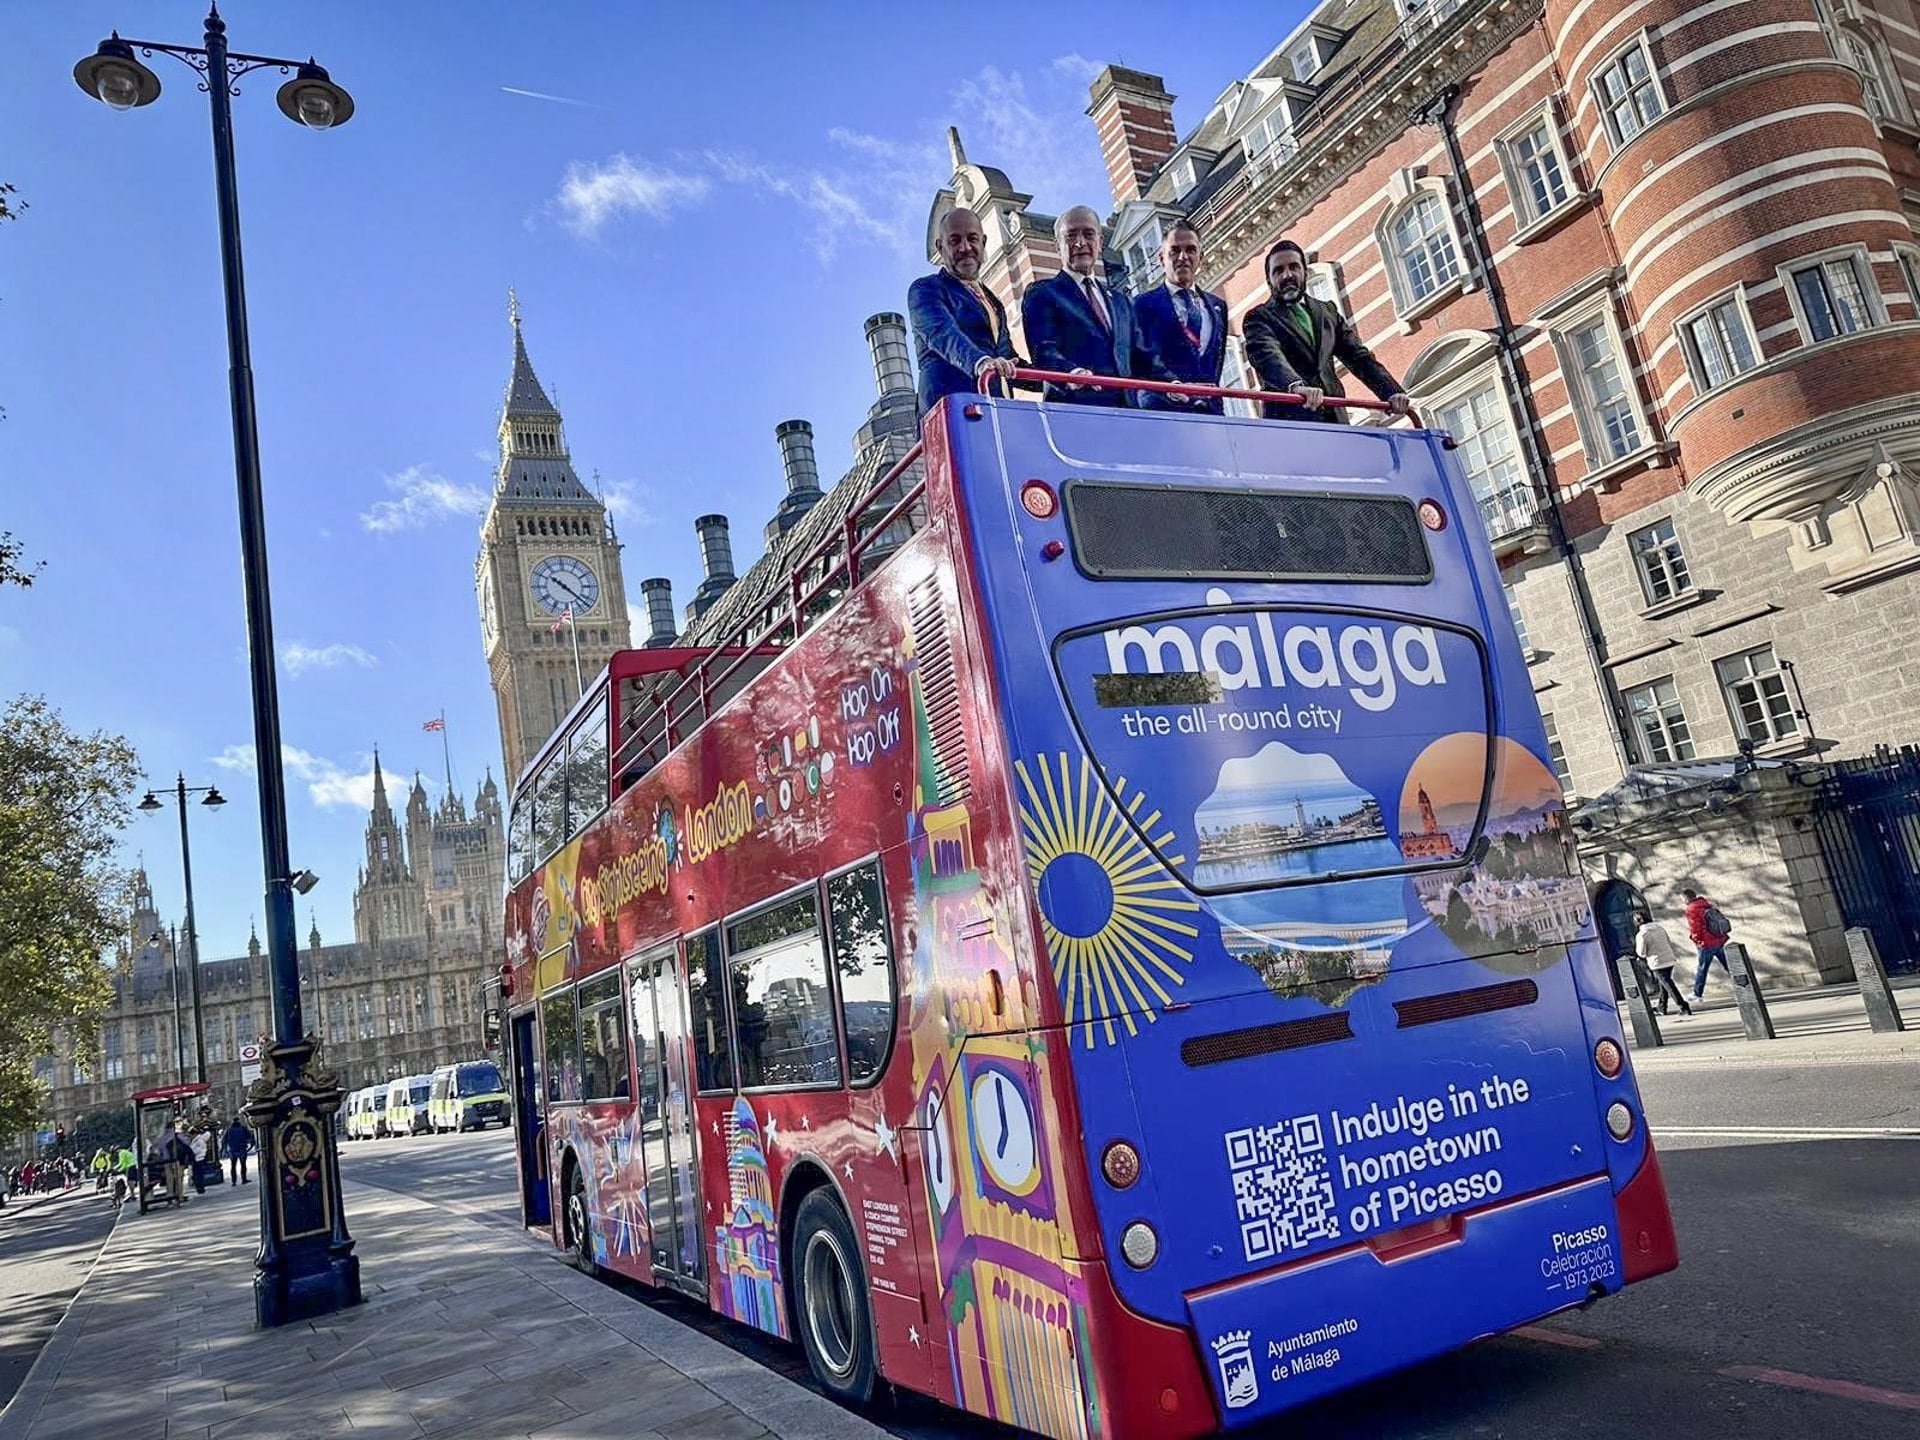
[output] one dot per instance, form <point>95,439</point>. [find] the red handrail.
<point>1210,392</point>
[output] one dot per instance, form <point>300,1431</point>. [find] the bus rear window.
<point>1144,532</point>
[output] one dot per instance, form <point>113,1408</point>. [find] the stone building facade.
<point>1654,264</point>
<point>403,997</point>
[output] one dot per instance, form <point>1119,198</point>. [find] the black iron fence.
<point>1869,829</point>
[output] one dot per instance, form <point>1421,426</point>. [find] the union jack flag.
<point>435,724</point>
<point>566,618</point>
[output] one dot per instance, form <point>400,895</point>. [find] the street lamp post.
<point>306,1265</point>
<point>213,801</point>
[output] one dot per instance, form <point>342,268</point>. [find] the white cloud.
<point>1076,67</point>
<point>591,195</point>
<point>630,502</point>
<point>1038,134</point>
<point>327,784</point>
<point>299,658</point>
<point>421,496</point>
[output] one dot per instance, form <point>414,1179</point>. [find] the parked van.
<point>357,1109</point>
<point>467,1096</point>
<point>373,1112</point>
<point>407,1105</point>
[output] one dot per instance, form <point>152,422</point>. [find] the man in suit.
<point>1076,322</point>
<point>959,326</point>
<point>1179,328</point>
<point>1293,340</point>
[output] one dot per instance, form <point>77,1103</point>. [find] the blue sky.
<point>697,223</point>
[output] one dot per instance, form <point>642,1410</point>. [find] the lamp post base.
<point>306,1265</point>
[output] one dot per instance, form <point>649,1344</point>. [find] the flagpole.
<point>445,752</point>
<point>573,629</point>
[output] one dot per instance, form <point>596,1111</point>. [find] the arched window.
<point>1423,256</point>
<point>1858,44</point>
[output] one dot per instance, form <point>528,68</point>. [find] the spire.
<point>253,938</point>
<point>959,151</point>
<point>524,395</point>
<point>313,935</point>
<point>379,783</point>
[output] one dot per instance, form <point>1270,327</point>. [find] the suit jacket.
<point>1161,343</point>
<point>952,335</point>
<point>1283,359</point>
<point>1064,334</point>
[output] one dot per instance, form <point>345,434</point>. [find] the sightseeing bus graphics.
<point>1069,975</point>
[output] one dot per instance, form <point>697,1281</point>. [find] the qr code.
<point>1281,1187</point>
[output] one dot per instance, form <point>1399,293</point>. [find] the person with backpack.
<point>1708,928</point>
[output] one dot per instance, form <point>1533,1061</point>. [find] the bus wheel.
<point>579,1224</point>
<point>835,1324</point>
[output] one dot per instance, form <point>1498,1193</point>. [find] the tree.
<point>64,797</point>
<point>12,572</point>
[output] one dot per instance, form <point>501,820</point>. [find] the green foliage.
<point>64,797</point>
<point>14,571</point>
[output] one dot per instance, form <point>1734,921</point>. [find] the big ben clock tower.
<point>547,554</point>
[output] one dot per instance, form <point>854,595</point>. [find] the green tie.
<point>1302,319</point>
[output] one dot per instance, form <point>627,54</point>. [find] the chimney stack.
<point>661,631</point>
<point>803,476</point>
<point>1134,115</point>
<point>716,557</point>
<point>892,362</point>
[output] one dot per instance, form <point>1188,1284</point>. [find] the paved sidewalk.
<point>1824,1025</point>
<point>469,1331</point>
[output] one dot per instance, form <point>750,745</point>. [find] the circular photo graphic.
<point>1524,899</point>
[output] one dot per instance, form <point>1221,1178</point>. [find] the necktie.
<point>1190,318</point>
<point>1099,304</point>
<point>979,293</point>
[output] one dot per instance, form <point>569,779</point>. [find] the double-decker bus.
<point>1117,966</point>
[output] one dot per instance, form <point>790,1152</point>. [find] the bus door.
<point>529,1120</point>
<point>666,1117</point>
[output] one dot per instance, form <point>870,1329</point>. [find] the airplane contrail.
<point>556,99</point>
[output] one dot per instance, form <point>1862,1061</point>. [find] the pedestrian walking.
<point>1657,952</point>
<point>1708,928</point>
<point>171,1154</point>
<point>237,1143</point>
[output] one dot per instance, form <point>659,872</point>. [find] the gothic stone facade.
<point>1655,265</point>
<point>404,997</point>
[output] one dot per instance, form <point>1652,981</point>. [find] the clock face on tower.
<point>560,582</point>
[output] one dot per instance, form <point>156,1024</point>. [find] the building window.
<point>1629,92</point>
<point>1719,343</point>
<point>1612,421</point>
<point>1536,170</point>
<point>1269,140</point>
<point>1557,753</point>
<point>1519,620</point>
<point>1661,563</point>
<point>1143,258</point>
<point>1419,15</point>
<point>1660,723</point>
<point>1756,691</point>
<point>1305,60</point>
<point>1184,175</point>
<point>149,1050</point>
<point>1830,295</point>
<point>1421,245</point>
<point>1491,456</point>
<point>1909,259</point>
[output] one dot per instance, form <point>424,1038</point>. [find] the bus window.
<point>782,1000</point>
<point>587,768</point>
<point>550,807</point>
<point>603,1040</point>
<point>712,1040</point>
<point>864,961</point>
<point>560,1019</point>
<point>520,836</point>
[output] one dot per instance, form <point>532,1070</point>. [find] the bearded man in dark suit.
<point>1293,340</point>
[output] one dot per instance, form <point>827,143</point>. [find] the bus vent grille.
<point>939,694</point>
<point>1265,1039</point>
<point>1194,533</point>
<point>1431,1009</point>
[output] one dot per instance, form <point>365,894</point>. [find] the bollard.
<point>1883,1011</point>
<point>1646,1029</point>
<point>1746,994</point>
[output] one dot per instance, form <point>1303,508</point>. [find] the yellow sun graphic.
<point>1115,937</point>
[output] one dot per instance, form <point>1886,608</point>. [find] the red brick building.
<point>1654,263</point>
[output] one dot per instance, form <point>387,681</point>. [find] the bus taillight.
<point>1432,516</point>
<point>1619,1120</point>
<point>1608,1059</point>
<point>1038,500</point>
<point>1121,1165</point>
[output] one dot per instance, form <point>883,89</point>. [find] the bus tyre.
<point>835,1323</point>
<point>579,1225</point>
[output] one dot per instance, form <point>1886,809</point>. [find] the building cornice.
<point>1362,129</point>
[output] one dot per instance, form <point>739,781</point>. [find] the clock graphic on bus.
<point>561,582</point>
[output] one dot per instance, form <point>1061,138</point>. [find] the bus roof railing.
<point>840,550</point>
<point>1204,392</point>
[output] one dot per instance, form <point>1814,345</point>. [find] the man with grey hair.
<point>1077,323</point>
